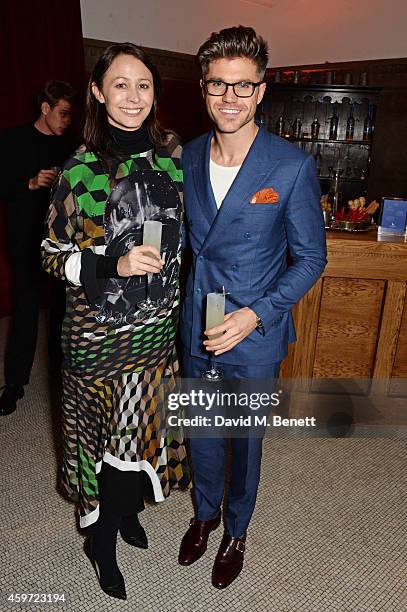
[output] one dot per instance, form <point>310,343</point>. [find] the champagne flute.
<point>57,170</point>
<point>215,315</point>
<point>152,231</point>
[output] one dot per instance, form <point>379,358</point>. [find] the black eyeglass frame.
<point>232,85</point>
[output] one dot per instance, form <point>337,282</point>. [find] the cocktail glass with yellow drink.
<point>215,315</point>
<point>152,232</point>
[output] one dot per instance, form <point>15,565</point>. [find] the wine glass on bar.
<point>152,231</point>
<point>215,315</point>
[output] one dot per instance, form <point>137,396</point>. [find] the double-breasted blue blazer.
<point>244,247</point>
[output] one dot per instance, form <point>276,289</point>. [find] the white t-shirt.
<point>222,178</point>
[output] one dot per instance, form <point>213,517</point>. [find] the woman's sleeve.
<point>60,252</point>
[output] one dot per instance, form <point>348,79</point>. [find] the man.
<point>250,197</point>
<point>32,155</point>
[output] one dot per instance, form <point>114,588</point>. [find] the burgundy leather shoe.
<point>195,540</point>
<point>229,561</point>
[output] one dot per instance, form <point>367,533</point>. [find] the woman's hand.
<point>140,260</point>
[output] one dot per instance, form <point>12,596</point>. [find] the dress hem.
<point>137,466</point>
<point>89,519</point>
<point>124,466</point>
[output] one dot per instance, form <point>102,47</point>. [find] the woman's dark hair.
<point>96,133</point>
<point>54,91</point>
<point>239,41</point>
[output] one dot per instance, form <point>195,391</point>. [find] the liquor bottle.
<point>280,126</point>
<point>296,128</point>
<point>333,125</point>
<point>315,125</point>
<point>318,160</point>
<point>334,193</point>
<point>350,125</point>
<point>368,127</point>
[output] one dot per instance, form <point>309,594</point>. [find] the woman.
<point>122,307</point>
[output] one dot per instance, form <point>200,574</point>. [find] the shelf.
<point>318,93</point>
<point>325,86</point>
<point>345,179</point>
<point>327,140</point>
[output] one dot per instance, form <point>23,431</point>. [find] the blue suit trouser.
<point>209,458</point>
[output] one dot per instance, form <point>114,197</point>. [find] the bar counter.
<point>353,322</point>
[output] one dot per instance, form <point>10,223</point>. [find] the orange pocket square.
<point>265,196</point>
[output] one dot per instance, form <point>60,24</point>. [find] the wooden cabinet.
<point>353,322</point>
<point>387,176</point>
<point>303,113</point>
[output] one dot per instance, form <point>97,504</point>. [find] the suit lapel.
<point>203,183</point>
<point>258,164</point>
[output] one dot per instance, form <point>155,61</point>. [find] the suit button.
<point>247,235</point>
<point>233,268</point>
<point>198,291</point>
<point>200,258</point>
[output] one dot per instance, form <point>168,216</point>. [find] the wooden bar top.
<point>363,255</point>
<point>388,242</point>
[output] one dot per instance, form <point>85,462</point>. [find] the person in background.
<point>32,155</point>
<point>122,307</point>
<point>250,197</point>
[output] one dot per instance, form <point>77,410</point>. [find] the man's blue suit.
<point>243,247</point>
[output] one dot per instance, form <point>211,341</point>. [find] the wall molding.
<point>171,64</point>
<point>181,66</point>
<point>380,72</point>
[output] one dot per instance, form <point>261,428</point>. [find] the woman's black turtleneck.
<point>131,141</point>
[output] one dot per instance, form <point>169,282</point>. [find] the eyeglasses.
<point>242,89</point>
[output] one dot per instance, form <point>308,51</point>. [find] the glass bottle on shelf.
<point>296,128</point>
<point>334,194</point>
<point>347,161</point>
<point>368,126</point>
<point>315,125</point>
<point>318,160</point>
<point>280,126</point>
<point>333,124</point>
<point>350,125</point>
<point>261,122</point>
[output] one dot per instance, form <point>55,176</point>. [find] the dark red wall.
<point>182,108</point>
<point>39,40</point>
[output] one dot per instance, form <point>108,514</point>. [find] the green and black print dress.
<point>119,357</point>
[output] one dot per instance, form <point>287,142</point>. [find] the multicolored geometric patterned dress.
<point>119,358</point>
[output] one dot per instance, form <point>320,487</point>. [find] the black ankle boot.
<point>132,532</point>
<point>110,578</point>
<point>8,400</point>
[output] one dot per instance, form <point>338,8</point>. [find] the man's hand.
<point>237,326</point>
<point>140,260</point>
<point>44,178</point>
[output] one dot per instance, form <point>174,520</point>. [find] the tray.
<point>353,226</point>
